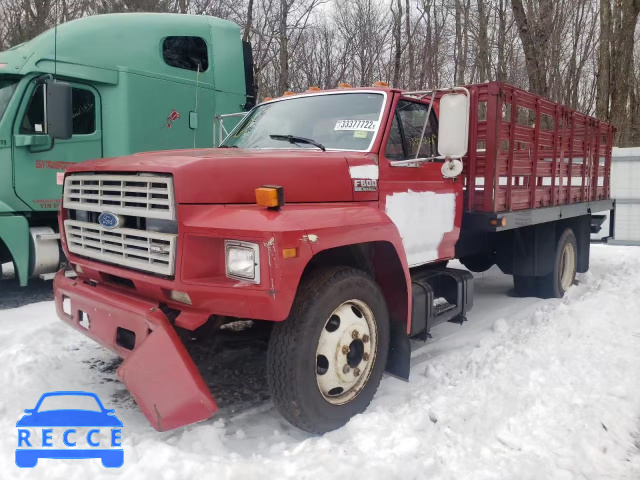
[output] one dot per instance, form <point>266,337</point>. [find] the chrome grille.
<point>137,195</point>
<point>140,249</point>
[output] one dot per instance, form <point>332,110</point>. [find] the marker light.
<point>288,93</point>
<point>498,222</point>
<point>344,85</point>
<point>289,252</point>
<point>380,84</point>
<point>313,88</point>
<point>270,196</point>
<point>267,99</point>
<point>181,297</point>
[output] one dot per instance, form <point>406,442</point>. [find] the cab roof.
<point>96,47</point>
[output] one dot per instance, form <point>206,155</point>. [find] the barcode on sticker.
<point>366,125</point>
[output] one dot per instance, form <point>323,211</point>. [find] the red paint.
<point>158,372</point>
<point>214,191</point>
<point>522,151</point>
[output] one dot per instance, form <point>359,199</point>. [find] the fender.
<point>14,232</point>
<point>311,228</point>
<point>337,225</point>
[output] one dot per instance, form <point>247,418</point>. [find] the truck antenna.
<point>195,110</point>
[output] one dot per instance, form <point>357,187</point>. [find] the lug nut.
<point>355,334</point>
<point>356,371</point>
<point>365,338</point>
<point>345,349</point>
<point>346,369</point>
<point>365,357</point>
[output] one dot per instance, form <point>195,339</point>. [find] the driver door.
<point>38,160</point>
<point>425,207</point>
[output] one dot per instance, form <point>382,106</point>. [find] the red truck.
<point>330,215</point>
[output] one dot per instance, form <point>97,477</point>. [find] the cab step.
<point>439,295</point>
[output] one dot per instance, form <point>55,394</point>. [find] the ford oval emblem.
<point>109,220</point>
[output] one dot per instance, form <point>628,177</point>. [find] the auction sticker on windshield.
<point>366,125</point>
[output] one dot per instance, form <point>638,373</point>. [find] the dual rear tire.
<point>563,275</point>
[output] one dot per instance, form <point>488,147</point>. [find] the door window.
<point>83,106</point>
<point>406,131</point>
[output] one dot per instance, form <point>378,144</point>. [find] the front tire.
<point>325,362</point>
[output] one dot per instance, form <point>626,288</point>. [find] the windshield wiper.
<point>296,139</point>
<point>228,146</point>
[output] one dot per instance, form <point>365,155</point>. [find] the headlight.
<point>242,260</point>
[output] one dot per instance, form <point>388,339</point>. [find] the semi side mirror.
<point>453,129</point>
<point>59,113</point>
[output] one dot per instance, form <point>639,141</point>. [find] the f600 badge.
<point>365,185</point>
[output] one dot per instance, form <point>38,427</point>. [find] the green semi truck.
<point>137,82</point>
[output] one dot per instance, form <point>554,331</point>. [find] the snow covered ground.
<point>527,389</point>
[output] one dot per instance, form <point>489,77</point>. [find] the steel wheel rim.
<point>346,352</point>
<point>568,263</point>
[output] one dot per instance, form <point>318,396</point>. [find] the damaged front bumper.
<point>157,369</point>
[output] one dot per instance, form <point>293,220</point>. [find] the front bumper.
<point>157,369</point>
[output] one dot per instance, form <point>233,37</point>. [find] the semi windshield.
<point>7,87</point>
<point>341,121</point>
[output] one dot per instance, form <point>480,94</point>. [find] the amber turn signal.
<point>498,222</point>
<point>270,196</point>
<point>289,252</point>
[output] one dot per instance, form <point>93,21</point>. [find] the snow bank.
<point>527,389</point>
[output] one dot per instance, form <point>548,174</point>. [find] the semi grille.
<point>139,195</point>
<point>138,249</point>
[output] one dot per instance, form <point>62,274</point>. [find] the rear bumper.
<point>157,369</point>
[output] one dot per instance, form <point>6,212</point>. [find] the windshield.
<point>7,87</point>
<point>340,121</point>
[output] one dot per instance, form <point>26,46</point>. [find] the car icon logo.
<point>109,220</point>
<point>69,433</point>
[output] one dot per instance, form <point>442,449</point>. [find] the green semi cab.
<point>137,82</point>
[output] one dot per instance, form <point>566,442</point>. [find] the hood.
<point>229,175</point>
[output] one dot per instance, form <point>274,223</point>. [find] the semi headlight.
<point>242,260</point>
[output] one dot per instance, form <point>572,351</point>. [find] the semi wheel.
<point>563,275</point>
<point>479,263</point>
<point>325,362</point>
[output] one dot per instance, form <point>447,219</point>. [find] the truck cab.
<point>330,215</point>
<point>139,82</point>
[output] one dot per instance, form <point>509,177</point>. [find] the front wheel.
<point>326,360</point>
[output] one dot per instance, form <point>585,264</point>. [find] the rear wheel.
<point>326,360</point>
<point>525,286</point>
<point>563,275</point>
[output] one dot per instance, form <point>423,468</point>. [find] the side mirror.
<point>453,129</point>
<point>59,113</point>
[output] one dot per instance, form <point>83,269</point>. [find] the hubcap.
<point>346,352</point>
<point>567,266</point>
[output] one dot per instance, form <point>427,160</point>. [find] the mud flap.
<point>165,382</point>
<point>399,358</point>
